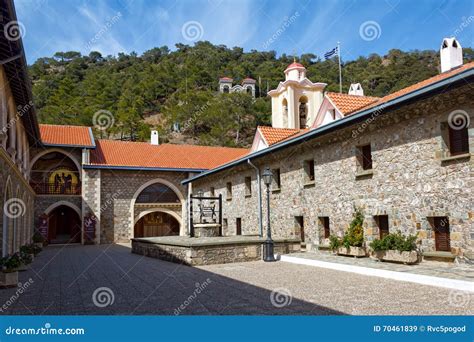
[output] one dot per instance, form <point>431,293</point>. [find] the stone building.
<point>125,189</point>
<point>19,131</point>
<point>405,160</point>
<point>247,86</point>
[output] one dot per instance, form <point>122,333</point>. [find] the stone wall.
<point>210,254</point>
<point>117,190</point>
<point>411,178</point>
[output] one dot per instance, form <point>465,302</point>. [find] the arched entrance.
<point>156,223</point>
<point>157,209</point>
<point>64,225</point>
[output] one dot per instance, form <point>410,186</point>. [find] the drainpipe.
<point>260,222</point>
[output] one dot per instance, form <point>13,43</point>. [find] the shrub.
<point>37,237</point>
<point>25,258</point>
<point>334,242</point>
<point>10,263</point>
<point>26,249</point>
<point>354,236</point>
<point>35,249</point>
<point>395,241</point>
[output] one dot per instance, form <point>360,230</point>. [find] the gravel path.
<point>108,279</point>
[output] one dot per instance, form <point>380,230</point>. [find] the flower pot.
<point>8,279</point>
<point>407,258</point>
<point>357,252</point>
<point>23,268</point>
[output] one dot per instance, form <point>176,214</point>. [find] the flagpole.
<point>340,71</point>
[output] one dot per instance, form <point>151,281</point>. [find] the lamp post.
<point>268,244</point>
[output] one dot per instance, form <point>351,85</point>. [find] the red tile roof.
<point>275,135</point>
<point>66,135</point>
<point>422,84</point>
<point>145,155</point>
<point>347,104</point>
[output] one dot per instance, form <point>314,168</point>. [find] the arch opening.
<point>303,112</point>
<point>284,105</point>
<point>55,173</point>
<point>156,223</point>
<point>64,225</point>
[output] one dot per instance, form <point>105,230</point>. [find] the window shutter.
<point>458,141</point>
<point>366,157</point>
<point>382,222</point>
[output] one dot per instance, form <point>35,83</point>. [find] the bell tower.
<point>296,100</point>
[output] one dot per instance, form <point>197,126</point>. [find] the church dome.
<point>294,65</point>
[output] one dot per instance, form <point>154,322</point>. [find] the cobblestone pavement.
<point>108,279</point>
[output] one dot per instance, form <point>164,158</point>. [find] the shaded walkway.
<point>108,279</point>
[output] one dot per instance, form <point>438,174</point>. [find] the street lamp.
<point>268,244</point>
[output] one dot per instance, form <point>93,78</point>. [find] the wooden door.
<point>442,240</point>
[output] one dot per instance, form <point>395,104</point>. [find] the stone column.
<point>91,199</point>
<point>291,108</point>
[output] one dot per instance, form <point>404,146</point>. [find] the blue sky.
<point>298,26</point>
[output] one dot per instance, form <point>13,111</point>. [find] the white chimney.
<point>155,139</point>
<point>451,54</point>
<point>356,89</point>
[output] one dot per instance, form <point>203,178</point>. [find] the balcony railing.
<point>56,189</point>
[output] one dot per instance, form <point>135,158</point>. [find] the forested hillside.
<point>162,87</point>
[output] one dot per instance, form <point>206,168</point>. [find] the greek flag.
<point>331,53</point>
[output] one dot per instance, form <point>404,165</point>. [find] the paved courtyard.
<point>108,279</point>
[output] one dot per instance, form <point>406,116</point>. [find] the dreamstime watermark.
<point>46,330</point>
<point>287,21</point>
<point>21,110</point>
<point>14,30</point>
<point>281,297</point>
<point>103,297</point>
<point>464,24</point>
<point>199,288</point>
<point>107,203</point>
<point>21,289</point>
<point>458,119</point>
<point>103,119</point>
<point>459,299</point>
<point>14,208</point>
<point>370,30</point>
<point>363,126</point>
<point>106,27</point>
<point>192,30</point>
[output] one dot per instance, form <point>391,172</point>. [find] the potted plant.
<point>39,240</point>
<point>352,243</point>
<point>25,260</point>
<point>9,274</point>
<point>396,247</point>
<point>28,249</point>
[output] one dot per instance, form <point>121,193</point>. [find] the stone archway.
<point>157,222</point>
<point>52,150</point>
<point>74,228</point>
<point>170,202</point>
<point>64,225</point>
